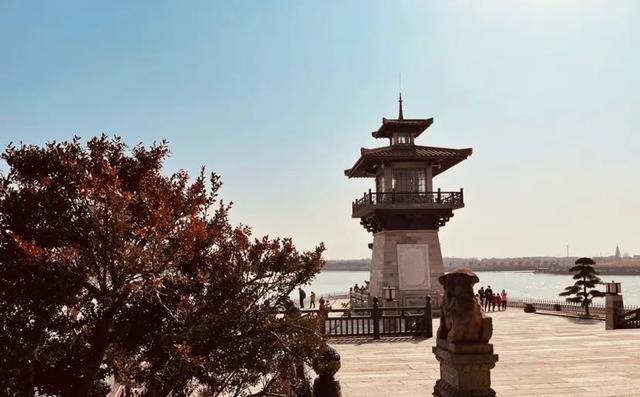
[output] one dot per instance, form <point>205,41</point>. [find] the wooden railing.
<point>335,295</point>
<point>376,321</point>
<point>437,198</point>
<point>358,299</point>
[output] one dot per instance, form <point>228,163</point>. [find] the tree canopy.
<point>109,267</point>
<point>584,288</point>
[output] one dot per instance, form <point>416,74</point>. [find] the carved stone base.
<point>326,386</point>
<point>464,369</point>
<point>444,389</point>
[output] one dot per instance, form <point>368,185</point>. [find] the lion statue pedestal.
<point>462,347</point>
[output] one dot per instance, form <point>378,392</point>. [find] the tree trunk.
<point>31,376</point>
<point>27,376</point>
<point>99,343</point>
<point>156,372</point>
<point>94,358</point>
<point>586,303</point>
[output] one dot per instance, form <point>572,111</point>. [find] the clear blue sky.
<point>279,96</point>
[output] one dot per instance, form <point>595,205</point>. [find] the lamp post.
<point>390,293</point>
<point>613,288</point>
<point>390,302</point>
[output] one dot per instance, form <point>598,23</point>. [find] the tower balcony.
<point>421,202</point>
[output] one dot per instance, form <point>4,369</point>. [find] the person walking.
<point>488,298</point>
<point>312,300</point>
<point>494,300</point>
<point>323,314</point>
<point>503,295</point>
<point>498,301</point>
<point>302,295</point>
<point>481,295</point>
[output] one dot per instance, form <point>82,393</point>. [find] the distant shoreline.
<point>601,271</point>
<point>363,266</point>
<point>348,265</point>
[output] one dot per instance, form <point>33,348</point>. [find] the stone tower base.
<point>409,260</point>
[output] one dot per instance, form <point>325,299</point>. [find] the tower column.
<point>388,179</point>
<point>429,178</point>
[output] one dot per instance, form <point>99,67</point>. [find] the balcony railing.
<point>433,199</point>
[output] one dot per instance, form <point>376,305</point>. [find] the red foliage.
<point>109,266</point>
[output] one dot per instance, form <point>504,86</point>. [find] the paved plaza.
<point>540,355</point>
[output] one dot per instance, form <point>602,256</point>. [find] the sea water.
<point>517,284</point>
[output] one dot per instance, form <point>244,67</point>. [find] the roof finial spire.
<point>400,115</point>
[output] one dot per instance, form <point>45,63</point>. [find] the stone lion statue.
<point>462,319</point>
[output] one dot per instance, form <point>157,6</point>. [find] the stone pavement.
<point>540,356</point>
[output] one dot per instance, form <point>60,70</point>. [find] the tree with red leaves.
<point>108,267</point>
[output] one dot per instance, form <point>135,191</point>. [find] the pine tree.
<point>584,288</point>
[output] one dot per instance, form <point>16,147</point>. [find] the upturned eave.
<point>391,126</point>
<point>442,158</point>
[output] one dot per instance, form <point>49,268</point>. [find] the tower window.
<point>403,139</point>
<point>409,180</point>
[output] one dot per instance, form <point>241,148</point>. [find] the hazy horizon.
<point>279,97</point>
<point>604,255</point>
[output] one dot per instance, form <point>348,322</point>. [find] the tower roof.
<point>371,158</point>
<point>392,126</point>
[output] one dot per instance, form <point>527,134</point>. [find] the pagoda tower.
<point>405,212</point>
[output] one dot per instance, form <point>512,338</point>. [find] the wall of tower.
<point>410,260</point>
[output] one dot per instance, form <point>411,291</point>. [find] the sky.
<point>278,97</point>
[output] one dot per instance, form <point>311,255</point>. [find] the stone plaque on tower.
<point>413,267</point>
<point>405,212</point>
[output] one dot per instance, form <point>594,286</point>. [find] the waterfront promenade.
<point>540,355</point>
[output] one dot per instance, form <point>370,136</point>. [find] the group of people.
<point>312,298</point>
<point>357,288</point>
<point>489,300</point>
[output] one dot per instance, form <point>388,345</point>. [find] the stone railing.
<point>559,305</point>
